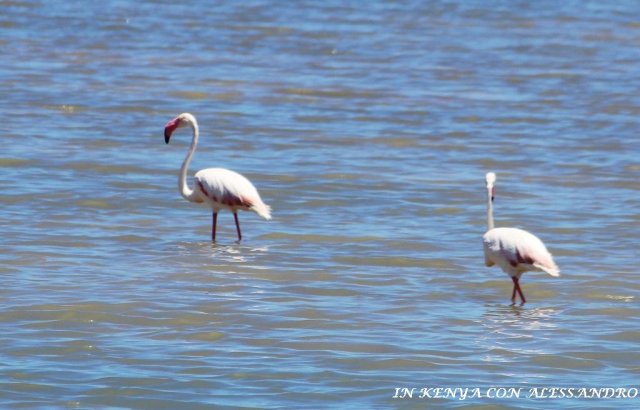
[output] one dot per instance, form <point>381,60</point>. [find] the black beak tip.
<point>166,138</point>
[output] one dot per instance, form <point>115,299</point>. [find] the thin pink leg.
<point>516,286</point>
<point>214,222</point>
<point>513,295</point>
<point>235,216</point>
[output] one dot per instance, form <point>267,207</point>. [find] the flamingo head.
<point>491,180</point>
<point>178,122</point>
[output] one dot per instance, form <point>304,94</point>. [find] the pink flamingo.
<point>516,251</point>
<point>217,187</point>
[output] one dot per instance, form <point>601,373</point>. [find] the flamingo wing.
<point>227,188</point>
<point>517,251</point>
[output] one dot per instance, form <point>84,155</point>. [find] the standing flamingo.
<point>217,187</point>
<point>516,251</point>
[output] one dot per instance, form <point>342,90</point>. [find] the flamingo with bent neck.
<point>217,187</point>
<point>515,250</point>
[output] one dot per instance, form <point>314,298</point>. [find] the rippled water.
<point>368,127</point>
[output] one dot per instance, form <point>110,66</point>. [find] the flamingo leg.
<point>214,222</point>
<point>516,286</point>
<point>521,294</point>
<point>235,216</point>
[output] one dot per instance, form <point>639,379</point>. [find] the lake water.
<point>368,127</point>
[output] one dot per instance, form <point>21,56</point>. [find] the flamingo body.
<point>225,189</point>
<point>517,251</point>
<point>217,187</point>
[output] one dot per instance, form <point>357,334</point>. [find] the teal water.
<point>368,128</point>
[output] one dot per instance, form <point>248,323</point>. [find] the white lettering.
<point>404,393</point>
<point>495,392</point>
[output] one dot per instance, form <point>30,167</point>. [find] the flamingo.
<point>515,250</point>
<point>217,187</point>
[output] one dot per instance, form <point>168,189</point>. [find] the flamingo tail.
<point>262,209</point>
<point>551,269</point>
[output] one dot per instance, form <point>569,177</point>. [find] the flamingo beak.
<point>493,193</point>
<point>170,128</point>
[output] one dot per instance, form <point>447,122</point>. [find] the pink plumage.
<point>224,189</point>
<point>217,187</point>
<point>514,250</point>
<point>517,251</point>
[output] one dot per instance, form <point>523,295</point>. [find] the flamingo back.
<point>223,188</point>
<point>517,251</point>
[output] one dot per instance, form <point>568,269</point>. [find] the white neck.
<point>182,179</point>
<point>490,224</point>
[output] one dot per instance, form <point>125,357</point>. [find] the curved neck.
<point>185,191</point>
<point>490,224</point>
